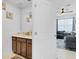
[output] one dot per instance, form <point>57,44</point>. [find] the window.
<point>65,25</point>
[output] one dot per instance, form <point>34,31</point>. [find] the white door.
<point>44,30</point>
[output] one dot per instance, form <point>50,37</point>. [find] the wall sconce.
<point>3,5</point>
<point>29,18</point>
<point>9,15</point>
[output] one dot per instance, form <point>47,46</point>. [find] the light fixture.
<point>63,11</point>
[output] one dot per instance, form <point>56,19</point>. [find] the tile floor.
<point>66,54</point>
<point>62,52</point>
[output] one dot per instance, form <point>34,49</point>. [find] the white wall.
<point>9,26</point>
<point>26,26</point>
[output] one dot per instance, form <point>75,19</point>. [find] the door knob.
<point>35,33</point>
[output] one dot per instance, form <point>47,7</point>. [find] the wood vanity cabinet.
<point>22,46</point>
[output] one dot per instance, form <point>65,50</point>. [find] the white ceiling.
<point>65,2</point>
<point>20,3</point>
<point>26,3</point>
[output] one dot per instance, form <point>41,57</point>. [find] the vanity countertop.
<point>22,35</point>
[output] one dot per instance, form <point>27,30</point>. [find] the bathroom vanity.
<point>22,45</point>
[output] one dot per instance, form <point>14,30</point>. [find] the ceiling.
<point>62,2</point>
<point>20,3</point>
<point>68,5</point>
<point>27,3</point>
<point>65,2</point>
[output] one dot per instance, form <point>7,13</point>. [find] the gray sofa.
<point>70,42</point>
<point>62,34</point>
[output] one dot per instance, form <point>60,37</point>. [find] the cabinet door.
<point>29,48</point>
<point>19,46</point>
<point>23,47</point>
<point>14,44</point>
